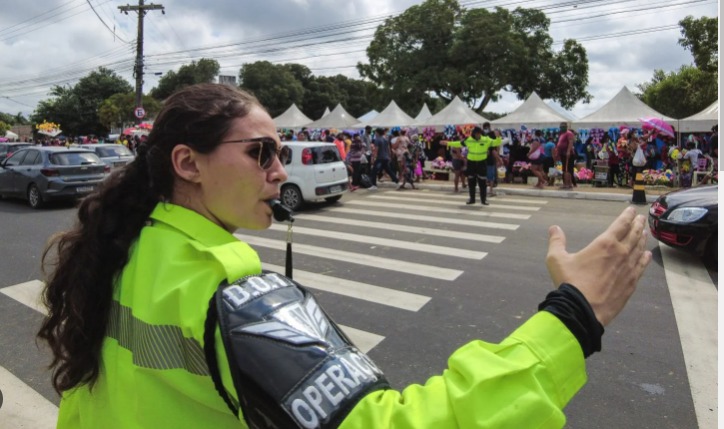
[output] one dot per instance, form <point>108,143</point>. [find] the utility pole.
<point>139,112</point>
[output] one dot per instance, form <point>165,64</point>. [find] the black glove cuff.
<point>572,308</point>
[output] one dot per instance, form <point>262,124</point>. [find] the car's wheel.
<point>292,197</point>
<point>333,199</point>
<point>34,198</point>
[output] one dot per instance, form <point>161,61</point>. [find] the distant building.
<point>228,80</point>
<point>24,132</point>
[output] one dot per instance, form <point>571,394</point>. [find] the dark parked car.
<point>114,155</point>
<point>44,173</point>
<point>7,149</point>
<point>688,219</point>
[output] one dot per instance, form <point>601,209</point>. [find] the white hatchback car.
<point>315,171</point>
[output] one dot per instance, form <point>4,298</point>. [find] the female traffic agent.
<point>159,317</point>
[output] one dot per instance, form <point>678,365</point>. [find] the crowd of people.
<point>372,155</point>
<point>399,155</point>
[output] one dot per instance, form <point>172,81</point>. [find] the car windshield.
<point>74,158</point>
<point>113,150</point>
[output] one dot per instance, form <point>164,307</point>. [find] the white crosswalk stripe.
<point>474,211</point>
<point>463,197</point>
<point>366,292</point>
<point>379,241</point>
<point>407,199</point>
<point>411,217</point>
<point>358,258</point>
<point>23,407</point>
<point>471,236</point>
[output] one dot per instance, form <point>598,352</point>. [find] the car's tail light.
<point>49,172</point>
<point>307,158</point>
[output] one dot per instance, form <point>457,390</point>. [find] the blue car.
<point>40,174</point>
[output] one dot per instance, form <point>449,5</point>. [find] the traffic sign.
<point>140,112</point>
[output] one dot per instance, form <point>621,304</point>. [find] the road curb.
<point>540,193</point>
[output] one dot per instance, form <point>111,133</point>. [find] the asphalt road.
<point>439,283</point>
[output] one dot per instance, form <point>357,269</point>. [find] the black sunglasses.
<point>267,151</point>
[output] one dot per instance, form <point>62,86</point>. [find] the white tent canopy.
<point>291,118</point>
<point>337,118</point>
<point>392,116</point>
<point>533,113</point>
<point>368,116</point>
<point>455,113</point>
<point>623,109</point>
<point>702,121</point>
<point>326,112</point>
<point>11,135</point>
<point>424,113</point>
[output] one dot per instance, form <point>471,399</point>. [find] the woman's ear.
<point>184,161</point>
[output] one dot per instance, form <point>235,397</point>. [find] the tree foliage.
<point>475,54</point>
<point>680,93</point>
<point>18,119</point>
<point>76,108</point>
<point>117,111</point>
<point>700,37</point>
<point>4,127</point>
<point>276,86</point>
<point>205,70</point>
<point>690,89</point>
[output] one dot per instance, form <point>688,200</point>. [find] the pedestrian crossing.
<point>382,233</point>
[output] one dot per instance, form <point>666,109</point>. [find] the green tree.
<point>276,86</point>
<point>4,127</point>
<point>117,110</point>
<point>680,93</point>
<point>205,70</point>
<point>18,119</point>
<point>75,108</point>
<point>700,37</point>
<point>62,109</point>
<point>441,48</point>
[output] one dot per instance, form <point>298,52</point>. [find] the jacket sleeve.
<point>456,143</point>
<point>523,382</point>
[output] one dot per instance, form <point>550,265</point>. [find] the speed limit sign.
<point>140,112</point>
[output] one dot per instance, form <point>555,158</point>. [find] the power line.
<point>104,23</point>
<point>41,21</point>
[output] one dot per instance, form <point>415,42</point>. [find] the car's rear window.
<point>12,147</point>
<point>326,154</point>
<point>113,150</point>
<point>74,158</point>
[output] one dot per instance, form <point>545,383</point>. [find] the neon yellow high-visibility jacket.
<point>477,148</point>
<point>154,375</point>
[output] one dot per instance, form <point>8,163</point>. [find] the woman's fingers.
<point>636,233</point>
<point>621,227</point>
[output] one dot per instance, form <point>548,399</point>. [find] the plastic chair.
<point>703,167</point>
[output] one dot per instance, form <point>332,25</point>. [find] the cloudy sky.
<point>56,42</point>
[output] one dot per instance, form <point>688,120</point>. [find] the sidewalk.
<point>584,191</point>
